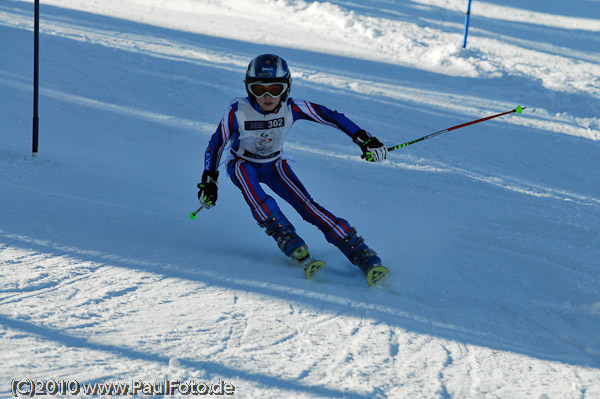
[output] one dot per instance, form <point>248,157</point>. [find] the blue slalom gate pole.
<point>467,17</point>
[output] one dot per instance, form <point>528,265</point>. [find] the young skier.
<point>257,126</point>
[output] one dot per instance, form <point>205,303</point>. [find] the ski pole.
<point>194,214</point>
<point>518,110</point>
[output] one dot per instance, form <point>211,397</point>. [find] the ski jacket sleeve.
<point>227,127</point>
<point>302,109</point>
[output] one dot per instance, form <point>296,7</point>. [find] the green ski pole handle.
<point>518,110</point>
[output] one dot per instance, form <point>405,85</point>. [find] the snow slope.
<point>492,232</point>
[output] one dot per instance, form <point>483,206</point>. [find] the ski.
<point>312,266</point>
<point>377,274</point>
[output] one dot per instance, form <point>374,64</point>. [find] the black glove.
<point>373,149</point>
<point>208,189</point>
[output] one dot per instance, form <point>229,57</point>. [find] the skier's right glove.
<point>208,189</point>
<point>373,149</point>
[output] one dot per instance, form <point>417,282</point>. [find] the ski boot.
<point>366,259</point>
<point>280,228</point>
<point>282,231</point>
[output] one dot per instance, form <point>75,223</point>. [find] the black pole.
<point>36,76</point>
<point>518,110</point>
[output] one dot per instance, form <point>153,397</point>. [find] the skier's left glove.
<point>373,149</point>
<point>208,189</point>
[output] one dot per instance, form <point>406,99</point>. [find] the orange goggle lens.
<point>259,89</point>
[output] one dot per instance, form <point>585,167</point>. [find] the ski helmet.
<point>268,68</point>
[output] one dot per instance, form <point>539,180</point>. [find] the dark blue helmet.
<point>268,68</point>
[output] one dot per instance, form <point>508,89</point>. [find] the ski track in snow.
<point>232,324</point>
<point>494,291</point>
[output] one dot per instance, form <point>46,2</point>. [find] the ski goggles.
<point>260,89</point>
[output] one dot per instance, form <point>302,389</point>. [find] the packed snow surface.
<point>491,232</point>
